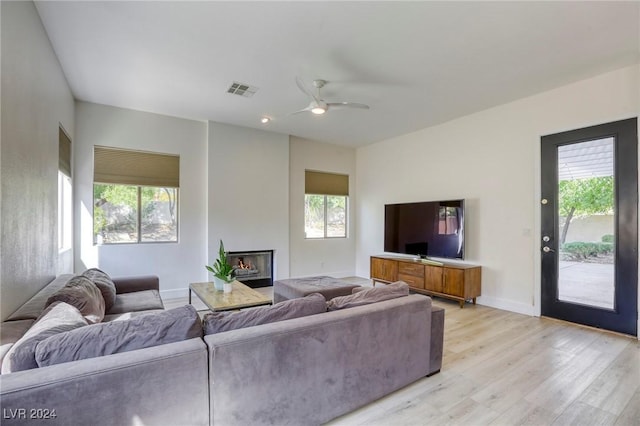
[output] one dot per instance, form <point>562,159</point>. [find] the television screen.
<point>430,228</point>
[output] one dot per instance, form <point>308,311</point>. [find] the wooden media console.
<point>449,280</point>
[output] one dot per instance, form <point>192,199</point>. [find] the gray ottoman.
<point>299,287</point>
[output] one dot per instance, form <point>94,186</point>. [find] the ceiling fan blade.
<point>302,110</point>
<point>305,90</point>
<point>347,105</point>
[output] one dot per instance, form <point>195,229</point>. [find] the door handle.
<point>547,249</point>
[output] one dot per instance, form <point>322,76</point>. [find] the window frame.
<point>122,167</point>
<point>65,212</point>
<point>65,192</point>
<point>139,217</point>
<point>325,227</point>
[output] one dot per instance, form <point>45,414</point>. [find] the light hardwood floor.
<point>502,368</point>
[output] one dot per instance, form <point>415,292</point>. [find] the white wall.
<point>35,100</point>
<point>248,195</point>
<point>177,264</point>
<point>492,159</point>
<point>589,228</point>
<point>335,256</point>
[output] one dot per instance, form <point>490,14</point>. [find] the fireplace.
<point>252,268</point>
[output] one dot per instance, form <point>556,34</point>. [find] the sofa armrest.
<point>138,283</point>
<point>437,340</point>
<point>165,384</point>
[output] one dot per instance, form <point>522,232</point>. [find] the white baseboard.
<point>507,305</point>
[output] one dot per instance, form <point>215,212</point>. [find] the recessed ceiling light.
<point>265,120</point>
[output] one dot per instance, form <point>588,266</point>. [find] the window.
<point>65,192</point>
<point>135,196</point>
<point>325,216</point>
<point>325,205</point>
<point>134,214</point>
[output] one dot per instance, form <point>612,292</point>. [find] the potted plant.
<point>221,271</point>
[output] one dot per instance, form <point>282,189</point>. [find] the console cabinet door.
<point>433,278</point>
<point>453,282</point>
<point>384,270</point>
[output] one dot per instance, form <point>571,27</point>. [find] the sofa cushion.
<point>217,322</point>
<point>137,301</point>
<point>129,315</point>
<point>10,333</point>
<point>369,295</point>
<point>104,283</point>
<point>113,337</point>
<point>136,283</point>
<point>57,318</point>
<point>34,306</point>
<point>84,295</point>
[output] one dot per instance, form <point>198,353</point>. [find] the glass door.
<point>589,227</point>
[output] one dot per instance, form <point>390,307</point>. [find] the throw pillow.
<point>57,318</point>
<point>369,295</point>
<point>218,322</point>
<point>114,337</point>
<point>104,283</point>
<point>84,295</point>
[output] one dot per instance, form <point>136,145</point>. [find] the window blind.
<point>128,167</point>
<point>322,183</point>
<point>64,152</point>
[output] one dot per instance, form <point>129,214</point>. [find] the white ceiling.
<point>415,63</point>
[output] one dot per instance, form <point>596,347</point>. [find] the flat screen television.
<point>425,229</point>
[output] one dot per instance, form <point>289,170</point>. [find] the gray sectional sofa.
<point>161,385</point>
<point>310,370</point>
<point>302,371</point>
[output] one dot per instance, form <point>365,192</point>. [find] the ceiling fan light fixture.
<point>318,107</point>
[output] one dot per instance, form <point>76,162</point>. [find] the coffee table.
<point>241,296</point>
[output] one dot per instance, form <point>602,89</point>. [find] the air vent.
<point>242,89</point>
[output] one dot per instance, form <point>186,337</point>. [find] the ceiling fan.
<point>320,106</point>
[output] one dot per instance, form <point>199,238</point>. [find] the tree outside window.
<point>584,197</point>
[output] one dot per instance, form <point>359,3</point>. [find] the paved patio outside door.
<point>586,283</point>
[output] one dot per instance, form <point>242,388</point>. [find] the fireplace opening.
<point>252,268</point>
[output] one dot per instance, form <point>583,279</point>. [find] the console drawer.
<point>412,280</point>
<point>411,269</point>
